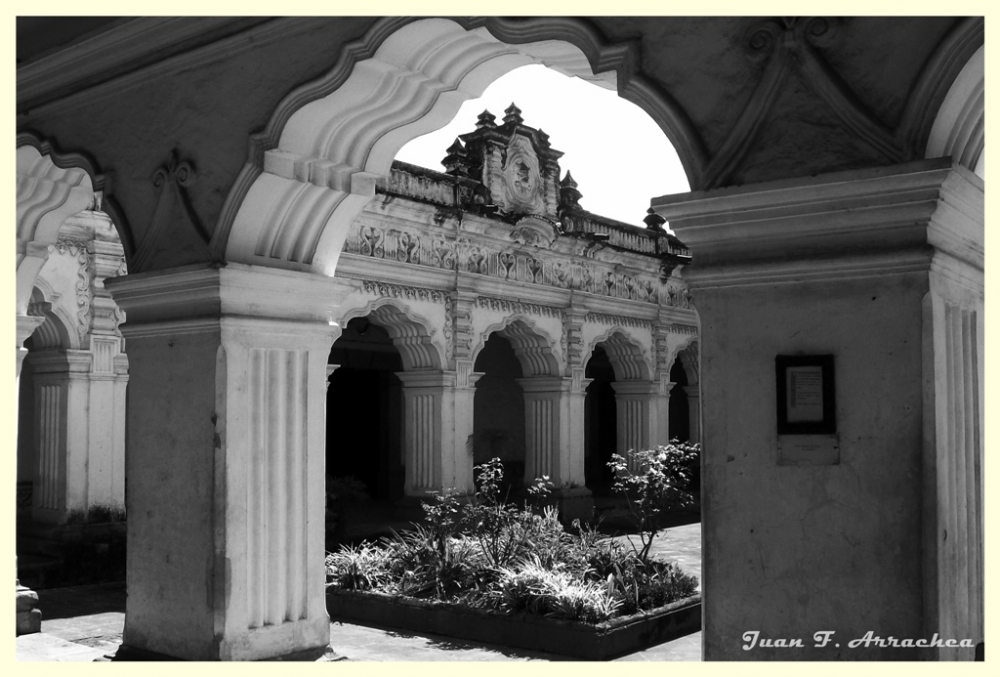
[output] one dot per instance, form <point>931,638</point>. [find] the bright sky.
<point>618,156</point>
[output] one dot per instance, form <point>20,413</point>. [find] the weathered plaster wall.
<point>171,465</point>
<point>789,551</point>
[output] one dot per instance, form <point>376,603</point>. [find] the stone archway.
<point>689,391</point>
<point>959,129</point>
<point>329,140</point>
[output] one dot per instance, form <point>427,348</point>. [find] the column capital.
<point>546,384</point>
<point>429,378</point>
<point>193,298</point>
<point>26,326</point>
<point>636,388</point>
<point>62,362</point>
<point>857,223</point>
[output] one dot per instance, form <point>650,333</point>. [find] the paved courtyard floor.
<point>86,623</point>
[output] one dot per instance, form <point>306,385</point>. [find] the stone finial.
<point>456,161</point>
<point>569,196</point>
<point>653,220</point>
<point>486,119</point>
<point>513,114</point>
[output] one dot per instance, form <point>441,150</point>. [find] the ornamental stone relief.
<point>512,307</point>
<point>85,273</point>
<point>479,259</point>
<point>399,291</point>
<point>621,320</point>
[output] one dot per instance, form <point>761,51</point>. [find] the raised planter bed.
<point>600,642</point>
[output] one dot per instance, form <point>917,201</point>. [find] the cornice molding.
<point>193,293</point>
<point>907,207</point>
<point>124,54</point>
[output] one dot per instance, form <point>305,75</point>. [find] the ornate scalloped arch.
<point>959,128</point>
<point>411,334</point>
<point>625,353</point>
<point>57,331</point>
<point>313,169</point>
<point>532,346</point>
<point>47,194</point>
<point>688,354</point>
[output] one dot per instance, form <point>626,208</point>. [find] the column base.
<point>576,503</point>
<point>29,617</point>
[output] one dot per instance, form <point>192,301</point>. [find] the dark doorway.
<point>679,412</point>
<point>498,428</point>
<point>601,423</point>
<point>364,410</point>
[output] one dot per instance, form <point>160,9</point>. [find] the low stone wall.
<point>568,638</point>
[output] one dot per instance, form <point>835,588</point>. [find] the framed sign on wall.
<point>806,395</point>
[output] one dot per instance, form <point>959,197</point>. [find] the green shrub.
<point>490,553</point>
<point>658,484</point>
<point>536,589</point>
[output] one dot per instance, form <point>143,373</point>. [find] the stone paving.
<point>86,623</point>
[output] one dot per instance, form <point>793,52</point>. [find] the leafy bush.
<point>658,483</point>
<point>490,553</point>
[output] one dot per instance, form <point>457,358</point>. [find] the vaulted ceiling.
<point>743,99</point>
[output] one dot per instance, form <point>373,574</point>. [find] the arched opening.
<point>365,394</point>
<point>293,207</point>
<point>684,373</point>
<point>680,428</point>
<point>959,130</point>
<point>498,427</point>
<point>600,421</point>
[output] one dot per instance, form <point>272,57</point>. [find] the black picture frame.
<point>806,395</point>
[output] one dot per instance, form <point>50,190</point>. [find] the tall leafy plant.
<point>654,482</point>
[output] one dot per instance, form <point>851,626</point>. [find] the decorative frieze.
<point>399,291</point>
<point>619,320</point>
<point>686,329</point>
<point>549,268</point>
<point>511,307</point>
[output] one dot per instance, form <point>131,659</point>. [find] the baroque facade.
<point>499,245</point>
<point>835,226</point>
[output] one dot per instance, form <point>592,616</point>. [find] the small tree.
<point>658,484</point>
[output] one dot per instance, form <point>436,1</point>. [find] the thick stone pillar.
<point>226,461</point>
<point>554,428</point>
<point>641,424</point>
<point>438,418</point>
<point>876,527</point>
<point>28,616</point>
<point>79,432</point>
<point>694,413</point>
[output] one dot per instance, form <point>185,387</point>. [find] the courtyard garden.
<point>485,552</point>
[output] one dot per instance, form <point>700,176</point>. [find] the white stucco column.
<point>28,616</point>
<point>62,429</point>
<point>639,416</point>
<point>548,408</point>
<point>694,413</point>
<point>226,461</point>
<point>437,419</point>
<point>881,272</point>
<point>554,444</point>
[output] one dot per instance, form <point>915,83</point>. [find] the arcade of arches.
<point>274,250</point>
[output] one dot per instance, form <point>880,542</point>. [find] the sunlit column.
<point>226,461</point>
<point>637,406</point>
